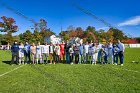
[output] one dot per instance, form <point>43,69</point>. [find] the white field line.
<point>127,70</point>
<point>11,71</point>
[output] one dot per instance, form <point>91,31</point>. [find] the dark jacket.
<point>15,48</point>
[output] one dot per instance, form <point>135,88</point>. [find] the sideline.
<point>11,70</point>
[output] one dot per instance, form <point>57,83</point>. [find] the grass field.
<point>64,78</point>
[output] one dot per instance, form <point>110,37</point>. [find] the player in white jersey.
<point>38,53</point>
<point>45,52</point>
<point>21,53</point>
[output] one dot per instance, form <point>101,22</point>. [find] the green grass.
<point>64,78</point>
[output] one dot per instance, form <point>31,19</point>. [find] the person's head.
<point>118,41</point>
<point>38,43</point>
<point>63,42</point>
<point>86,43</point>
<point>15,42</point>
<point>21,43</point>
<point>71,46</point>
<point>93,44</point>
<point>46,43</point>
<point>33,44</point>
<point>26,42</point>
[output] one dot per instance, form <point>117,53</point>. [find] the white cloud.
<point>131,22</point>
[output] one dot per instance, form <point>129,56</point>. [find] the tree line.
<point>41,32</point>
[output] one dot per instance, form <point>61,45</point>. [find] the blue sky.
<point>123,14</point>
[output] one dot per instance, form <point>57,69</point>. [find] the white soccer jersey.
<point>21,51</point>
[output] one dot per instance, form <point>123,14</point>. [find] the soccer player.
<point>21,53</point>
<point>27,52</point>
<point>86,47</point>
<point>14,50</point>
<point>121,51</point>
<point>38,53</point>
<point>62,51</point>
<point>45,51</point>
<point>33,52</point>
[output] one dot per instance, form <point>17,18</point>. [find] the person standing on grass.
<point>99,52</point>
<point>21,53</point>
<point>33,52</point>
<point>121,51</point>
<point>62,51</point>
<point>51,48</point>
<point>105,51</point>
<point>76,53</point>
<point>90,53</point>
<point>71,54</point>
<point>45,52</point>
<point>81,49</point>
<point>115,54</point>
<point>57,53</point>
<point>14,50</point>
<point>38,53</point>
<point>110,53</point>
<point>95,53</point>
<point>86,47</point>
<point>27,52</point>
<point>67,46</point>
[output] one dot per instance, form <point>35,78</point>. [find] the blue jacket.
<point>81,48</point>
<point>15,48</point>
<point>27,47</point>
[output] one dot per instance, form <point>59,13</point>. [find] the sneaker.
<point>71,63</point>
<point>121,64</point>
<point>115,64</point>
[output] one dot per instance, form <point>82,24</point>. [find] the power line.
<point>92,15</point>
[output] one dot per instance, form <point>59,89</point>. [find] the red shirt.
<point>62,47</point>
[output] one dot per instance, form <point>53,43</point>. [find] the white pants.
<point>94,58</point>
<point>38,56</point>
<point>21,58</point>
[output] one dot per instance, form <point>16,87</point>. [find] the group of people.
<point>78,53</point>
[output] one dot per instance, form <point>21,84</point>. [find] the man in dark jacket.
<point>14,50</point>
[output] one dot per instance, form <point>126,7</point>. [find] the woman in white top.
<point>38,53</point>
<point>21,53</point>
<point>45,52</point>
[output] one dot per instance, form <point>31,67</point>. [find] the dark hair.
<point>93,44</point>
<point>15,41</point>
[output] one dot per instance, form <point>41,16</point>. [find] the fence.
<point>132,45</point>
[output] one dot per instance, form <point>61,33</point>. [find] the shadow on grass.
<point>7,62</point>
